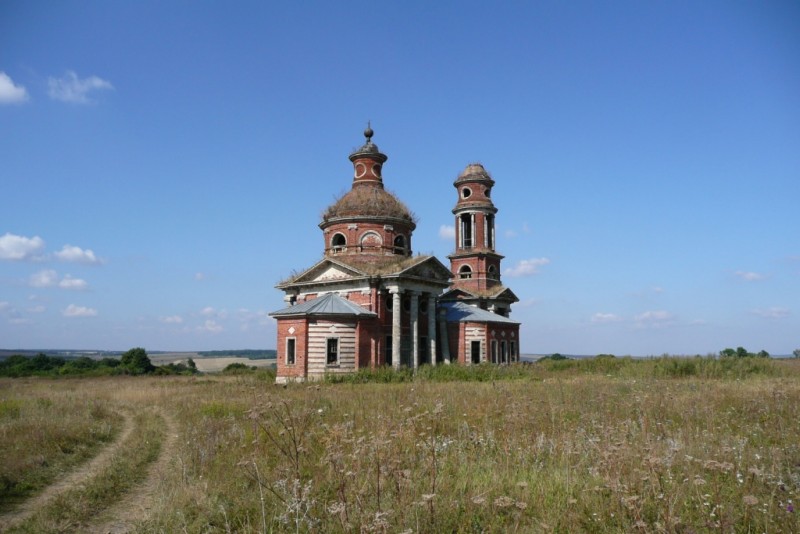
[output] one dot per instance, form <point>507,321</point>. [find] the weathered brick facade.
<point>370,302</point>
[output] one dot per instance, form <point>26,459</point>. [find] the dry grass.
<point>47,431</point>
<point>619,450</point>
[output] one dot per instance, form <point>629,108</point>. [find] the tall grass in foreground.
<point>46,433</point>
<point>561,451</point>
<point>612,446</point>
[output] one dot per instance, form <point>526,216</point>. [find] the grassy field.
<point>608,445</point>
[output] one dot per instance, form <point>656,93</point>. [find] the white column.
<point>432,327</point>
<point>445,338</point>
<point>474,232</point>
<point>414,320</point>
<point>396,298</point>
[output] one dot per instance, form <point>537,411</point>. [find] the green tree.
<point>192,366</point>
<point>796,353</point>
<point>741,352</point>
<point>763,354</point>
<point>727,353</point>
<point>136,362</point>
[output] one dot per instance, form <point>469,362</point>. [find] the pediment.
<point>431,269</point>
<point>326,270</point>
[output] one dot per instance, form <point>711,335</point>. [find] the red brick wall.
<point>300,367</point>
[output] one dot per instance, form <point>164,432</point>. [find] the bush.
<point>136,362</point>
<point>238,368</point>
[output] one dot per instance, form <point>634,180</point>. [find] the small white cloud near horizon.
<point>776,312</point>
<point>211,326</point>
<point>654,319</point>
<point>172,319</point>
<point>68,282</point>
<point>77,254</point>
<point>600,318</point>
<point>11,93</point>
<point>17,248</point>
<point>199,276</point>
<point>78,311</point>
<point>447,232</point>
<point>526,267</point>
<point>72,89</point>
<point>749,276</point>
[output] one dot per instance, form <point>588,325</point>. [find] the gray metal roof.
<point>461,312</point>
<point>328,304</point>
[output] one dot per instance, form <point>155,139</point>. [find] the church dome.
<point>474,172</point>
<point>368,202</point>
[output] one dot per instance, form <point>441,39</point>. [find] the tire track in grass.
<point>96,465</point>
<point>137,505</point>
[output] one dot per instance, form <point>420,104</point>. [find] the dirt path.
<point>82,474</point>
<point>136,505</point>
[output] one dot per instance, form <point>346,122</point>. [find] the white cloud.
<point>172,319</point>
<point>78,311</point>
<point>4,306</point>
<point>11,93</point>
<point>49,278</point>
<point>510,234</point>
<point>68,282</point>
<point>211,326</point>
<point>772,313</point>
<point>209,311</point>
<point>749,276</point>
<point>37,309</point>
<point>44,278</point>
<point>76,254</point>
<point>526,267</point>
<point>447,232</point>
<point>654,319</point>
<point>605,318</point>
<point>70,88</point>
<point>199,276</point>
<point>17,247</point>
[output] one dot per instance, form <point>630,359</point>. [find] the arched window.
<point>466,192</point>
<point>370,240</point>
<point>465,272</point>
<point>493,272</point>
<point>338,243</point>
<point>400,245</point>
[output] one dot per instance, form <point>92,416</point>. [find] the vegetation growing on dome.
<point>369,202</point>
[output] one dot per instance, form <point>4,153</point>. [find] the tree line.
<point>132,362</point>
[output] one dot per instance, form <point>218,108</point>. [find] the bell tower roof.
<point>368,150</point>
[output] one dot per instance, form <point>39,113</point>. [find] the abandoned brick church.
<point>370,302</point>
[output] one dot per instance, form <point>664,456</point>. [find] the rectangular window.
<point>333,351</point>
<point>388,355</point>
<point>512,351</point>
<point>494,351</point>
<point>290,350</point>
<point>503,351</point>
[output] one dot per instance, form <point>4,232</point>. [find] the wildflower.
<point>699,482</point>
<point>750,500</point>
<point>478,500</point>
<point>522,484</point>
<point>428,497</point>
<point>790,508</point>
<point>504,502</point>
<point>521,505</point>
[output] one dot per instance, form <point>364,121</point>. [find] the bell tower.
<point>475,264</point>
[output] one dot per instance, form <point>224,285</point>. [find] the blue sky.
<point>164,164</point>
